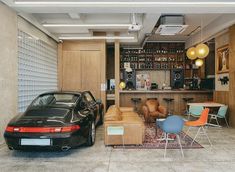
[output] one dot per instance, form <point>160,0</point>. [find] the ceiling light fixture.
<point>191,53</point>
<point>202,50</point>
<point>96,37</point>
<point>18,2</point>
<point>86,25</point>
<point>199,62</point>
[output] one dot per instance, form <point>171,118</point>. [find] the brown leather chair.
<point>152,110</point>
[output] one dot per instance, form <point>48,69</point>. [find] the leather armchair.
<point>152,110</point>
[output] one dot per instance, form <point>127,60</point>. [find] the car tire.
<point>91,134</point>
<point>101,121</point>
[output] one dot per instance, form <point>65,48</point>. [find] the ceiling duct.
<point>170,25</point>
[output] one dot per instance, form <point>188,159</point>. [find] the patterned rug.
<point>151,140</point>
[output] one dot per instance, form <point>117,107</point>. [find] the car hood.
<point>43,117</point>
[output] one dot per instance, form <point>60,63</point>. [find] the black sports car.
<point>57,120</point>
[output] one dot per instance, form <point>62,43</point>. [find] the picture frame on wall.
<point>223,59</point>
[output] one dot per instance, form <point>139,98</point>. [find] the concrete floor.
<point>218,158</point>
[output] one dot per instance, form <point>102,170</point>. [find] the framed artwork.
<point>223,59</point>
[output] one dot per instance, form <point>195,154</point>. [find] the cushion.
<point>152,105</point>
<point>113,114</point>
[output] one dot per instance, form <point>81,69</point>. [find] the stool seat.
<point>187,99</point>
<point>168,99</point>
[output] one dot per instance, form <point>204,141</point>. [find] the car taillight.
<point>9,129</point>
<point>43,129</point>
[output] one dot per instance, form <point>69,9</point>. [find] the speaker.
<point>177,78</point>
<point>130,79</point>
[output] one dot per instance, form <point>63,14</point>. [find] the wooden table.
<point>208,105</point>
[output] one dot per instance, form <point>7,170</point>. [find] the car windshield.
<point>56,99</point>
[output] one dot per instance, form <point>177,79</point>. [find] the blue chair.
<point>221,114</point>
<point>195,111</point>
<point>172,125</point>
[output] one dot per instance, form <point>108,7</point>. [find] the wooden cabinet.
<point>81,66</point>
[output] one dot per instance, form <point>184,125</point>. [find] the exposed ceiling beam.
<point>74,15</point>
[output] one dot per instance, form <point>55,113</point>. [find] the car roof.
<point>64,92</point>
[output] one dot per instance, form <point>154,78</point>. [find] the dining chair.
<point>201,122</point>
<point>195,111</point>
<point>172,125</point>
<point>220,114</point>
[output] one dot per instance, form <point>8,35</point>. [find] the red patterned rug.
<point>151,140</point>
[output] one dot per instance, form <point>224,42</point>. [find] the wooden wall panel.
<point>221,97</point>
<point>117,72</point>
<point>71,71</point>
<point>90,69</point>
<point>232,76</point>
<point>83,67</point>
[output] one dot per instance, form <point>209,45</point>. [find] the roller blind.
<point>37,68</point>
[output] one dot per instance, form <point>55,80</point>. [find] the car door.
<point>91,103</point>
<point>83,115</point>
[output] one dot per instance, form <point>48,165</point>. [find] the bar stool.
<point>186,101</point>
<point>169,101</point>
<point>136,101</point>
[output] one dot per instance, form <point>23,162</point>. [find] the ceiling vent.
<point>171,25</point>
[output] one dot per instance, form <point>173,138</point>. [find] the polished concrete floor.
<point>218,158</point>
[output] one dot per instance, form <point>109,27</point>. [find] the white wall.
<point>8,66</point>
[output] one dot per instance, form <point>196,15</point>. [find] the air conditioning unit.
<point>171,25</point>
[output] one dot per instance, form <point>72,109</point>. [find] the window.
<point>37,68</point>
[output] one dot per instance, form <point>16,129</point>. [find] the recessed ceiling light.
<point>96,37</point>
<point>86,25</point>
<point>18,2</point>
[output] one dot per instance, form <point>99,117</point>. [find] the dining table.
<point>209,105</point>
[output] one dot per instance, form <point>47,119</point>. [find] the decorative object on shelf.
<point>223,59</point>
<point>177,78</point>
<point>191,53</point>
<point>224,80</point>
<point>122,85</point>
<point>130,79</point>
<point>202,50</point>
<point>199,62</point>
<point>143,82</point>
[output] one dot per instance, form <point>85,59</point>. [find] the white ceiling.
<point>147,15</point>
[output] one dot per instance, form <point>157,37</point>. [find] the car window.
<point>55,100</point>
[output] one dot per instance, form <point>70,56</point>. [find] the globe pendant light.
<point>202,50</point>
<point>191,53</point>
<point>199,62</point>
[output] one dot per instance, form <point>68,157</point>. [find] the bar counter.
<point>178,105</point>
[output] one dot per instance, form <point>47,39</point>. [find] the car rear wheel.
<point>91,135</point>
<point>101,121</point>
